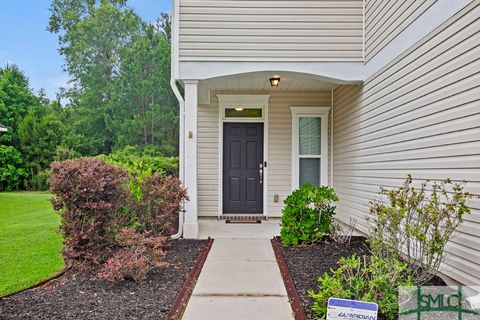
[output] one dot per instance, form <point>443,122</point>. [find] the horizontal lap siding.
<point>208,159</point>
<point>419,115</point>
<point>384,20</point>
<point>242,30</point>
<point>279,147</point>
<point>280,141</point>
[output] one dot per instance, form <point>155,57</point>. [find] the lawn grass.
<point>30,250</point>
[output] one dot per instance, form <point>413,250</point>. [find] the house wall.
<point>271,30</point>
<point>279,147</point>
<point>384,20</point>
<point>419,115</point>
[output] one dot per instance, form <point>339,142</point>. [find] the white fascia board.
<point>338,72</point>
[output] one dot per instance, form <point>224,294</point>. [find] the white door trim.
<point>321,112</point>
<point>243,100</point>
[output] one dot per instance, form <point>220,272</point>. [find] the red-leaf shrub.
<point>135,255</point>
<point>161,202</point>
<point>88,194</point>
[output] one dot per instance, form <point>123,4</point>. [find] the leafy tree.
<point>120,68</point>
<point>164,26</point>
<point>146,111</point>
<point>11,168</point>
<point>40,132</point>
<point>91,35</point>
<point>15,99</point>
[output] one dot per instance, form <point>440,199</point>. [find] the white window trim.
<point>322,113</point>
<point>248,101</point>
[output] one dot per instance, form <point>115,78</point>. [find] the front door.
<point>243,168</point>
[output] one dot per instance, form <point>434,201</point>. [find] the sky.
<point>25,42</point>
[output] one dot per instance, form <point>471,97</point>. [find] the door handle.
<point>260,172</point>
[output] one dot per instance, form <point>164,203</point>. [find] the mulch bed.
<point>306,263</point>
<point>79,296</point>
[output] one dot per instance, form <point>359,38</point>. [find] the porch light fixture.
<point>274,81</point>
<point>239,109</point>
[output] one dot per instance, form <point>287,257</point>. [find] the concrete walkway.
<point>240,280</point>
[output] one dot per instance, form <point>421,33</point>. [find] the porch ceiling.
<point>290,81</point>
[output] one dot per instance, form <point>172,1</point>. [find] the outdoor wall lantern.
<point>274,81</point>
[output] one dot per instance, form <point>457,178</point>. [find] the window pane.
<point>243,113</point>
<point>309,135</point>
<point>310,171</point>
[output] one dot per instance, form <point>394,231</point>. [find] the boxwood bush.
<point>307,214</point>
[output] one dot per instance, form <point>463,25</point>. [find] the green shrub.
<point>307,214</point>
<point>141,164</point>
<point>12,172</point>
<point>415,223</point>
<point>360,278</point>
<point>40,181</point>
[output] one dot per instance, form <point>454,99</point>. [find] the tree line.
<point>119,93</point>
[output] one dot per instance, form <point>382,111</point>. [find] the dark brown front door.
<point>242,162</point>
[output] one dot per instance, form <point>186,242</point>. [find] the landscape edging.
<point>186,290</point>
<point>297,308</point>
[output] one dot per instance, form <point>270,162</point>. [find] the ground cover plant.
<point>30,250</point>
<point>307,215</point>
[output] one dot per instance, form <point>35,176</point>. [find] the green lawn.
<point>30,250</point>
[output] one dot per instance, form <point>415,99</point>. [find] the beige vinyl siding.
<point>279,147</point>
<point>280,141</point>
<point>243,30</point>
<point>418,115</point>
<point>384,20</point>
<point>208,159</point>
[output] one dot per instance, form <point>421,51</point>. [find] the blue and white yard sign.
<point>341,309</point>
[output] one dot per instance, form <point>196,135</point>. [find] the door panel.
<point>242,157</point>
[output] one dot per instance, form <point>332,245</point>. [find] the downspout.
<point>331,140</point>
<point>181,151</point>
<point>181,106</point>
